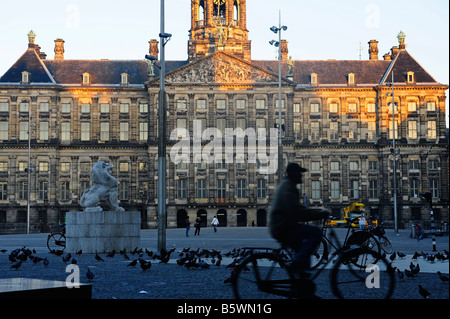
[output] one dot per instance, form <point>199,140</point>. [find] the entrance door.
<point>261,218</point>
<point>181,218</point>
<point>241,218</point>
<point>202,214</point>
<point>222,217</point>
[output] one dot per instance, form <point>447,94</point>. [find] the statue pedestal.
<point>102,231</point>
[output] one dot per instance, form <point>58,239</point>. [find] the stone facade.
<point>336,116</point>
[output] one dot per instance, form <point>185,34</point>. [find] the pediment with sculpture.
<point>220,68</point>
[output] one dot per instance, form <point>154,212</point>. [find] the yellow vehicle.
<point>355,210</point>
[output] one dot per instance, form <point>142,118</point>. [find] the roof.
<point>108,72</point>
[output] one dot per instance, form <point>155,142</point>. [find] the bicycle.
<point>265,273</point>
<point>56,240</point>
<point>384,242</point>
<point>359,238</point>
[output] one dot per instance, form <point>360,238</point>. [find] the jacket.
<point>286,210</point>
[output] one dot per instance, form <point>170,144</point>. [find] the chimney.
<point>284,50</point>
<point>394,51</point>
<point>373,50</point>
<point>59,49</point>
<point>153,50</point>
<point>387,57</point>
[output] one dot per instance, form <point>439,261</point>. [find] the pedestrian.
<point>215,222</point>
<point>188,226</point>
<point>362,222</point>
<point>197,226</point>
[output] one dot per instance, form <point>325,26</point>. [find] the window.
<point>104,108</point>
<point>315,187</point>
<point>297,128</point>
<point>335,190</point>
<point>353,166</point>
<point>142,166</point>
<point>85,108</point>
<point>412,106</point>
<point>353,130</point>
<point>143,107</point>
<point>24,106</point>
<point>4,107</point>
<point>65,167</point>
<point>277,102</point>
<point>373,189</point>
<point>44,107</point>
<point>261,123</point>
<point>433,165</point>
<point>431,106</point>
<point>124,79</point>
<point>104,131</point>
<point>123,167</point>
<point>414,165</point>
<point>371,107</point>
<point>86,79</point>
<point>313,79</point>
<point>65,108</point>
<point>43,190</point>
<point>393,130</point>
<point>43,131</point>
<point>3,166</point>
<point>241,188</point>
<point>143,131</point>
<point>315,131</point>
<point>315,107</point>
<point>123,191</point>
<point>4,130</point>
<point>410,77</point>
<point>23,131</point>
<point>296,107</point>
<point>221,188</point>
<point>85,131</point>
<point>261,188</point>
<point>181,104</point>
<point>124,108</point>
<point>240,104</point>
<point>201,104</point>
<point>3,190</point>
<point>65,131</point>
<point>221,125</point>
<point>412,129</point>
<point>373,165</point>
<point>371,130</point>
<point>351,78</point>
<point>240,123</point>
<point>335,166</point>
<point>334,108</point>
<point>334,131</point>
<point>181,188</point>
<point>25,77</point>
<point>354,189</point>
<point>260,104</point>
<point>431,133</point>
<point>315,166</point>
<point>23,190</point>
<point>181,126</point>
<point>43,166</point>
<point>23,166</point>
<point>414,188</point>
<point>201,188</point>
<point>221,104</point>
<point>434,188</point>
<point>353,107</point>
<point>65,191</point>
<point>124,131</point>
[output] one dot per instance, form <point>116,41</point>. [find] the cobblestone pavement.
<point>114,279</point>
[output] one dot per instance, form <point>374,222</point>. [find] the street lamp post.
<point>278,30</point>
<point>394,161</point>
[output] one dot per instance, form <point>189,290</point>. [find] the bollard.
<point>433,230</point>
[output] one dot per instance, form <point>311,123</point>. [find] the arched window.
<point>201,10</point>
<point>236,11</point>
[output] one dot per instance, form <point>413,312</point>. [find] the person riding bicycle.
<point>287,212</point>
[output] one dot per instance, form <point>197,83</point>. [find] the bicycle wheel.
<point>320,254</point>
<point>262,276</point>
<point>386,245</point>
<point>371,282</point>
<point>56,241</point>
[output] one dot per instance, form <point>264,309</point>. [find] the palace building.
<point>337,121</point>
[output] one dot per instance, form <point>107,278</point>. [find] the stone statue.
<point>105,187</point>
<point>291,66</point>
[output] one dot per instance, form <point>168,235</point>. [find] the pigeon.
<point>392,257</point>
<point>431,258</point>
<point>408,273</point>
<point>416,254</point>
<point>74,261</point>
<point>401,255</point>
<point>415,270</point>
<point>111,254</point>
<point>98,258</point>
<point>442,277</point>
<point>423,292</point>
<point>3,250</point>
<point>400,274</point>
<point>79,252</point>
<point>67,258</point>
<point>203,264</point>
<point>133,263</point>
<point>16,265</point>
<point>145,265</point>
<point>89,275</point>
<point>46,262</point>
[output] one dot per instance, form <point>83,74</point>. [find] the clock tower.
<point>219,25</point>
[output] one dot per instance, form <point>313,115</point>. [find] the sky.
<point>317,30</point>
